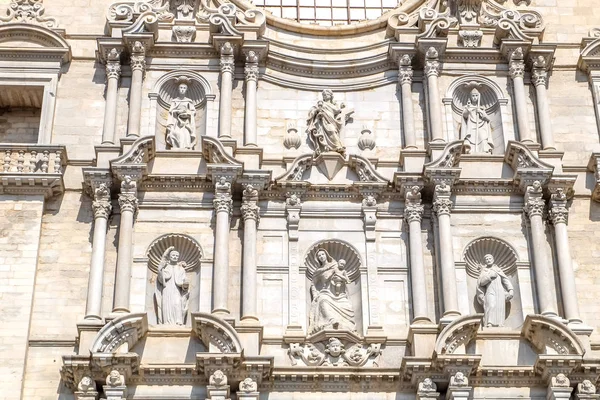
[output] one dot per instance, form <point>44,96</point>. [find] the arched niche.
<point>338,250</point>
<point>492,99</point>
<point>190,253</point>
<point>165,89</point>
<point>505,256</point>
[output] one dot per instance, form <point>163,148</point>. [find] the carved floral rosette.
<point>334,352</point>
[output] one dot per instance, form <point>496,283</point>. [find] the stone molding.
<point>216,334</point>
<point>29,12</point>
<point>504,255</point>
<point>338,249</point>
<point>546,333</point>
<point>127,329</point>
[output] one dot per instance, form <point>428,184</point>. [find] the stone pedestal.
<point>115,392</point>
<point>459,393</point>
<point>556,393</point>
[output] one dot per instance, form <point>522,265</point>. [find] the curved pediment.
<point>549,336</point>
<point>458,334</point>
<point>32,41</point>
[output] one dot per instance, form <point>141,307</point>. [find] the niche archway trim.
<point>546,333</point>
<point>189,250</point>
<point>216,334</point>
<point>492,99</point>
<point>504,254</point>
<point>199,94</point>
<point>460,332</point>
<point>338,249</point>
<point>129,329</point>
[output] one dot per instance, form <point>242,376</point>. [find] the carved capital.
<point>432,64</point>
<point>102,208</point>
<point>113,70</point>
<point>227,59</point>
<point>249,208</point>
<point>442,205</point>
<point>251,68</point>
<point>539,77</point>
<point>138,57</point>
<point>223,201</point>
<point>559,213</point>
<point>405,71</point>
<point>413,209</point>
<point>534,204</point>
<point>516,64</point>
<point>128,202</point>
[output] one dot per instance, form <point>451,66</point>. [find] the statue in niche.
<point>325,123</point>
<point>181,122</point>
<point>493,291</point>
<point>475,125</point>
<point>172,289</point>
<point>331,307</point>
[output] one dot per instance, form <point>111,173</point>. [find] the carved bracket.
<point>340,351</point>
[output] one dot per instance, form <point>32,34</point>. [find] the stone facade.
<point>201,199</point>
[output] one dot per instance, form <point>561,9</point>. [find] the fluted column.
<point>251,74</point>
<point>223,204</point>
<point>102,208</point>
<point>442,206</point>
<point>138,66</point>
<point>516,72</point>
<point>413,214</point>
<point>534,208</point>
<point>227,68</point>
<point>128,203</point>
<point>432,71</point>
<point>405,77</point>
<point>559,215</point>
<point>539,77</point>
<point>250,215</point>
<point>113,74</point>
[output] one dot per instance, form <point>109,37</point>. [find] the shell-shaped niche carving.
<point>170,90</point>
<point>504,255</point>
<point>338,250</point>
<point>189,251</point>
<point>488,98</point>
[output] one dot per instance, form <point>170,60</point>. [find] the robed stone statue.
<point>172,294</point>
<point>325,123</point>
<point>493,291</point>
<point>331,307</point>
<point>181,124</point>
<point>475,125</point>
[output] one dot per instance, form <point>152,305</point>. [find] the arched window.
<point>327,12</point>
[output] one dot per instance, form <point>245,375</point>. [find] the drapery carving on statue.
<point>475,125</point>
<point>334,353</point>
<point>494,290</point>
<point>331,307</point>
<point>181,125</point>
<point>325,123</point>
<point>172,290</point>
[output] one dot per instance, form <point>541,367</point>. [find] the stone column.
<point>248,390</point>
<point>113,74</point>
<point>223,205</point>
<point>128,203</point>
<point>405,77</point>
<point>539,77</point>
<point>559,215</point>
<point>516,72</point>
<point>102,208</point>
<point>534,208</point>
<point>586,390</point>
<point>218,387</point>
<point>559,388</point>
<point>251,74</point>
<point>138,66</point>
<point>250,214</point>
<point>115,388</point>
<point>441,207</point>
<point>432,71</point>
<point>413,214</point>
<point>427,389</point>
<point>227,69</point>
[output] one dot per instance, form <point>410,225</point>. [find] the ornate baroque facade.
<point>202,199</point>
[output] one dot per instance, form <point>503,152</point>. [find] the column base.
<point>221,312</point>
<point>422,337</point>
<point>87,331</point>
<point>250,320</point>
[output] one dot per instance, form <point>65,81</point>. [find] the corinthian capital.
<point>405,71</point>
<point>559,213</point>
<point>227,59</point>
<point>128,197</point>
<point>539,75</point>
<point>223,201</point>
<point>517,64</point>
<point>113,64</point>
<point>413,209</point>
<point>101,204</point>
<point>432,63</point>
<point>251,68</point>
<point>534,204</point>
<point>442,205</point>
<point>249,208</point>
<point>138,56</point>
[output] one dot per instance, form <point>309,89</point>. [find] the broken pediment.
<point>332,168</point>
